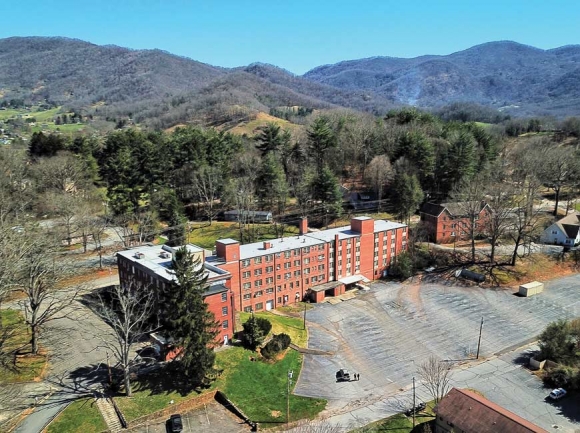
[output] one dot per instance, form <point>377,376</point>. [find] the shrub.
<point>563,377</point>
<point>276,345</point>
<point>254,333</point>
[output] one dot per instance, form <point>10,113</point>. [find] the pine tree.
<point>271,138</point>
<point>321,137</point>
<point>187,318</point>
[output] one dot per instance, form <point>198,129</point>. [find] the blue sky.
<point>294,34</point>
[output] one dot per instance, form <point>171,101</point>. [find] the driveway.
<point>385,333</point>
<point>212,418</point>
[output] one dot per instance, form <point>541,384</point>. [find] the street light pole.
<point>479,341</point>
<point>290,373</point>
<point>414,402</point>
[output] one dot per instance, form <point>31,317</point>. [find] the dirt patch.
<point>276,414</point>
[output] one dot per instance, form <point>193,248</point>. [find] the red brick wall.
<point>215,305</point>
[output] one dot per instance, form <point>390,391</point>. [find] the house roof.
<point>456,209</point>
<point>570,225</point>
<point>470,412</point>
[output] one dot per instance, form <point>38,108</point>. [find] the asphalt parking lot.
<point>212,418</point>
<point>385,333</point>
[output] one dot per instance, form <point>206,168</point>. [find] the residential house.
<point>463,411</point>
<point>450,222</point>
<point>564,232</point>
<point>255,216</point>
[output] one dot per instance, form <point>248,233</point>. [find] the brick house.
<point>152,265</point>
<point>463,411</point>
<point>449,222</point>
<point>266,275</point>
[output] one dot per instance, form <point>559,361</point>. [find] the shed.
<point>332,288</point>
<point>532,288</point>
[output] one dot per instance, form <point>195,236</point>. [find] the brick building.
<point>449,222</point>
<point>464,411</point>
<point>152,265</point>
<point>282,271</point>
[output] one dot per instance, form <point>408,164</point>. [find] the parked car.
<point>557,394</point>
<point>176,423</point>
<point>421,406</point>
<point>342,375</point>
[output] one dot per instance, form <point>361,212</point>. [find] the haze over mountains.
<point>160,85</point>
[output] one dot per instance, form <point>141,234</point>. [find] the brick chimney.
<point>303,227</point>
<point>267,245</point>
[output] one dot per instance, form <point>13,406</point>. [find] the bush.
<point>563,377</point>
<point>276,345</point>
<point>403,267</point>
<point>255,330</point>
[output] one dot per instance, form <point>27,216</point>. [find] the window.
<point>247,286</point>
<point>257,283</point>
<point>306,271</point>
<point>269,280</point>
<point>321,267</point>
<point>554,232</point>
<point>270,290</point>
<point>314,279</point>
<point>358,249</point>
<point>268,258</point>
<point>248,309</point>
<point>245,263</point>
<point>258,293</point>
<point>258,260</point>
<point>287,265</point>
<point>306,261</point>
<point>246,274</point>
<point>259,306</point>
<point>287,254</point>
<point>287,275</point>
<point>321,247</point>
<point>296,262</point>
<point>224,311</point>
<point>279,288</point>
<point>247,296</point>
<point>291,285</point>
<point>270,269</point>
<point>305,250</point>
<point>224,296</point>
<point>297,252</point>
<point>296,273</point>
<point>225,324</point>
<point>321,257</point>
<point>258,272</point>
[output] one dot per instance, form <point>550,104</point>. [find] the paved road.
<point>385,333</point>
<point>75,355</point>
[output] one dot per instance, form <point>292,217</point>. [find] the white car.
<point>557,394</point>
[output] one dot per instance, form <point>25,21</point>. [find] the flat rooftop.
<point>152,258</point>
<point>278,245</point>
<point>346,232</point>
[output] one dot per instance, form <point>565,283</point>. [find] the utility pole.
<point>479,341</point>
<point>290,373</point>
<point>413,402</point>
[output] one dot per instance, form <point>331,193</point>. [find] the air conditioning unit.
<point>164,255</point>
<point>139,255</point>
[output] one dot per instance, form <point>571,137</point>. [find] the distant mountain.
<point>151,84</point>
<point>496,74</point>
<point>163,89</point>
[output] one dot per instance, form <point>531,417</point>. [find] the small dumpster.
<point>532,288</point>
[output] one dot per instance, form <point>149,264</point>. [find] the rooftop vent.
<point>164,255</point>
<point>139,255</point>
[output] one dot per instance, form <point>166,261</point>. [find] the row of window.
<point>287,255</point>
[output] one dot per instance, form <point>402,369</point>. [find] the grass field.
<point>27,367</point>
<point>262,119</point>
<point>400,423</point>
<point>292,326</point>
<point>205,236</point>
<point>81,416</point>
<point>259,388</point>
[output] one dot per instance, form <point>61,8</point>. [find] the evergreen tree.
<point>321,137</point>
<point>407,195</point>
<point>270,183</point>
<point>326,189</point>
<point>271,138</point>
<point>187,318</point>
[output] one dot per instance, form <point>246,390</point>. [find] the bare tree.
<point>436,377</point>
<point>377,174</point>
<point>470,196</point>
<point>207,184</point>
<point>146,226</point>
<point>559,168</point>
<point>97,228</point>
<point>63,173</point>
<point>39,273</point>
<point>127,310</point>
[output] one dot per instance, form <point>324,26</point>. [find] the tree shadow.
<point>166,380</point>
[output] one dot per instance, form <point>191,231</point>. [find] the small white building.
<point>564,232</point>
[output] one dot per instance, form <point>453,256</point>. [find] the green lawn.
<point>259,388</point>
<point>205,236</point>
<point>27,367</point>
<point>399,423</point>
<point>293,326</point>
<point>81,416</point>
